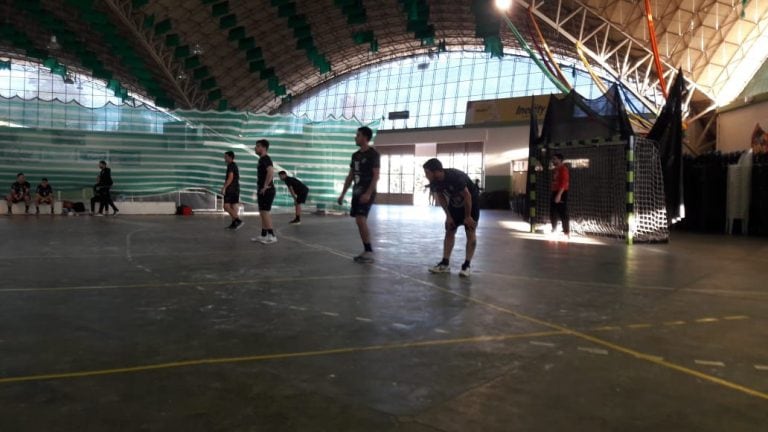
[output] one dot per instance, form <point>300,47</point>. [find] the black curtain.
<point>668,133</point>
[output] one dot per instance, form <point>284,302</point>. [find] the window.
<point>454,77</point>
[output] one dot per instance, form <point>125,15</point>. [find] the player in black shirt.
<point>19,193</point>
<point>364,171</point>
<point>299,192</point>
<point>44,195</point>
<point>266,172</point>
<point>458,196</point>
<point>231,191</point>
<point>101,190</point>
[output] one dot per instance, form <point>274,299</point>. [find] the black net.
<point>574,118</point>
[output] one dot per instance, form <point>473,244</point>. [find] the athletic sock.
<point>263,233</point>
<point>368,247</point>
<point>445,261</point>
<point>465,265</point>
<point>271,232</point>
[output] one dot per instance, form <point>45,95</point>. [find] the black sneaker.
<point>238,224</point>
<point>232,226</point>
<point>295,221</point>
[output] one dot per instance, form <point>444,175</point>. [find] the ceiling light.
<point>181,76</point>
<point>197,49</point>
<point>503,5</point>
<point>53,44</point>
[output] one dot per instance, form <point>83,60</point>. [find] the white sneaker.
<point>259,239</point>
<point>440,268</point>
<point>464,272</point>
<point>364,258</point>
<point>269,239</point>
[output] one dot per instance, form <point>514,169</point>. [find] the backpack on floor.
<point>78,207</point>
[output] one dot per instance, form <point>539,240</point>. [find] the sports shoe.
<point>440,268</point>
<point>114,213</point>
<point>464,271</point>
<point>295,221</point>
<point>238,224</point>
<point>259,239</point>
<point>364,258</point>
<point>269,239</point>
<point>98,214</point>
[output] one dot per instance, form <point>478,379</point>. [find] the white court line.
<point>758,367</point>
<point>709,363</point>
<point>333,314</point>
<point>599,351</point>
<point>706,320</point>
<point>363,319</point>
<point>269,303</point>
<point>544,344</point>
<point>298,308</point>
<point>736,317</point>
<point>439,330</point>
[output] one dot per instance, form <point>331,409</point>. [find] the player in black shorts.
<point>364,171</point>
<point>231,191</point>
<point>44,195</point>
<point>266,196</point>
<point>458,196</point>
<point>19,193</point>
<point>299,192</point>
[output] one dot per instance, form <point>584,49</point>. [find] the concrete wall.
<point>735,125</point>
<point>501,146</point>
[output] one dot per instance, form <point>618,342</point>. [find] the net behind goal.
<point>616,189</point>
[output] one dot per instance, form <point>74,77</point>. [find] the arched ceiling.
<point>252,55</point>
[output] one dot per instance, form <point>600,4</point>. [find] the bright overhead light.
<point>503,5</point>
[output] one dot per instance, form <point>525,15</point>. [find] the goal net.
<point>616,189</point>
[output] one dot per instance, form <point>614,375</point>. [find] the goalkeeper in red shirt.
<point>558,207</point>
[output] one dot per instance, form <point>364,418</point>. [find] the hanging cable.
<point>527,49</point>
<point>536,27</point>
<point>655,48</point>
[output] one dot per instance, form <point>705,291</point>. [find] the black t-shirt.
<point>362,165</point>
<point>296,184</point>
<point>264,163</point>
<point>235,185</point>
<point>20,188</point>
<point>44,191</point>
<point>105,177</point>
<point>452,187</point>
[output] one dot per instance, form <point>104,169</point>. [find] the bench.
<point>18,208</point>
<point>144,207</point>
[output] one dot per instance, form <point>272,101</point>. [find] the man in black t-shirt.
<point>101,191</point>
<point>231,191</point>
<point>266,172</point>
<point>364,172</point>
<point>43,195</point>
<point>299,192</point>
<point>19,193</point>
<point>458,196</point>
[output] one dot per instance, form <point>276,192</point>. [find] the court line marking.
<point>709,363</point>
<point>761,367</point>
<point>186,284</point>
<point>684,290</point>
<point>707,320</point>
<point>279,356</point>
<point>613,346</point>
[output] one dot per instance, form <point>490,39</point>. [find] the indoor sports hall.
<point>608,157</point>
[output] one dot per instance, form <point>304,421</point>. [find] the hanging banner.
<point>505,111</point>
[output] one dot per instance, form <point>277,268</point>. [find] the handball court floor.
<point>175,324</point>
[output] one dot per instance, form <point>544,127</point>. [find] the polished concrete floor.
<point>174,324</point>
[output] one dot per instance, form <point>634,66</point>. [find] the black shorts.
<point>266,199</point>
<point>301,197</point>
<point>361,209</point>
<point>232,196</point>
<point>457,214</point>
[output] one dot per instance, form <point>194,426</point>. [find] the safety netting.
<point>154,152</point>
